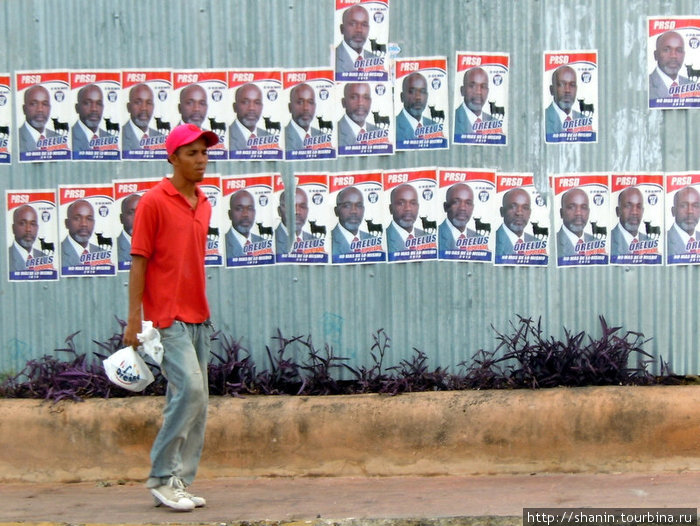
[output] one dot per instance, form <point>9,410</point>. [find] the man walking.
<point>167,280</point>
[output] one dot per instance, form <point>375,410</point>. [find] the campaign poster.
<point>481,98</point>
<point>127,194</point>
<point>255,133</point>
<point>637,200</point>
<point>5,119</point>
<point>310,242</point>
<point>682,216</point>
<point>673,62</point>
<point>421,103</point>
<point>32,235</point>
<point>522,239</point>
<point>246,218</point>
<point>467,211</point>
<point>361,37</point>
<point>359,209</point>
<point>203,100</point>
<point>366,121</point>
<point>95,132</point>
<point>582,219</point>
<point>44,108</point>
<point>214,253</point>
<point>148,119</point>
<point>570,96</point>
<point>412,198</point>
<point>310,133</point>
<point>86,227</point>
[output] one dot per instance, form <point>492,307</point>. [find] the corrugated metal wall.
<point>445,309</point>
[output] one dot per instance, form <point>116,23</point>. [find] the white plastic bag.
<point>150,341</point>
<point>127,369</point>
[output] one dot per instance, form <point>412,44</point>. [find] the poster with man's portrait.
<point>127,194</point>
<point>148,114</point>
<point>637,207</point>
<point>360,42</point>
<point>203,99</point>
<point>673,62</point>
<point>214,254</point>
<point>522,239</point>
<point>468,214</point>
<point>31,235</point>
<point>95,126</point>
<point>43,112</point>
<point>306,239</point>
<point>366,119</point>
<point>481,98</point>
<point>359,210</point>
<point>570,96</point>
<point>86,228</point>
<point>255,134</point>
<point>412,229</point>
<point>682,216</point>
<point>421,103</point>
<point>582,219</point>
<point>309,132</point>
<point>5,119</point>
<point>246,220</point>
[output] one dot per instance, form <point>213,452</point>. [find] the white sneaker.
<point>173,495</point>
<point>199,502</point>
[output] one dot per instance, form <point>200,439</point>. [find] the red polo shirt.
<point>172,237</point>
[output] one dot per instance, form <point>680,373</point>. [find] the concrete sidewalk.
<point>497,499</point>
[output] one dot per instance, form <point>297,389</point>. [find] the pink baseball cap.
<point>186,134</point>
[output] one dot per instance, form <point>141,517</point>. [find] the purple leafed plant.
<point>525,358</point>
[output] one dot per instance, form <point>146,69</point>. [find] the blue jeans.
<point>178,446</point>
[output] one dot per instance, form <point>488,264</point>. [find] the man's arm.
<point>137,281</point>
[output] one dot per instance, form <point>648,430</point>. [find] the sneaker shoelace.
<point>178,488</point>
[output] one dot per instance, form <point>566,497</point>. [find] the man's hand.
<point>133,327</point>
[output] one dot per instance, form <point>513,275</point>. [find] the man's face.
<point>301,210</point>
<point>90,107</point>
<point>475,89</point>
<point>128,212</point>
<point>80,222</point>
<point>415,95</point>
<point>670,53</point>
<point>248,105</point>
<point>193,105</point>
<point>575,211</point>
<point>190,160</point>
<point>140,105</point>
<point>630,210</point>
<point>242,212</point>
<point>357,101</point>
<point>686,209</point>
<point>37,107</point>
<point>404,206</point>
<point>563,88</point>
<point>25,227</point>
<point>302,106</point>
<point>350,209</point>
<point>355,27</point>
<point>459,205</point>
<point>516,210</point>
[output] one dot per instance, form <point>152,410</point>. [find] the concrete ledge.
<point>593,429</point>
